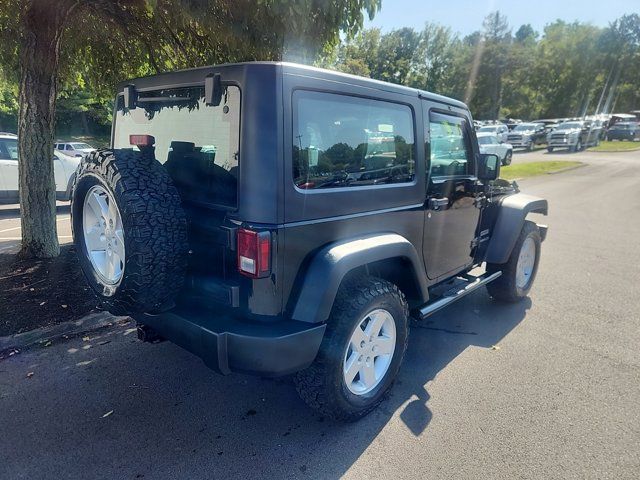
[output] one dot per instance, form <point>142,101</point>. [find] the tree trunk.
<point>42,24</point>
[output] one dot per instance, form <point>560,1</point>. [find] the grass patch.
<point>616,146</point>
<point>531,169</point>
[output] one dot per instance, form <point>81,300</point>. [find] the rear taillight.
<point>142,140</point>
<point>254,253</point>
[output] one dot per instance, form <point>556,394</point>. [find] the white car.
<point>64,168</point>
<point>501,131</point>
<point>74,149</point>
<point>489,143</point>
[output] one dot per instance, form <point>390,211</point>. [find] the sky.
<point>465,16</point>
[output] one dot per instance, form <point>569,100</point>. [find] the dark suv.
<point>275,219</point>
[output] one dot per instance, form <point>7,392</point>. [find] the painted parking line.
<point>18,228</point>
<point>3,239</point>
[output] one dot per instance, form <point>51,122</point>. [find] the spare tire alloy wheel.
<point>370,351</point>
<point>130,231</point>
<point>103,235</point>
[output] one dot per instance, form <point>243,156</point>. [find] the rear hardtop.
<point>264,122</point>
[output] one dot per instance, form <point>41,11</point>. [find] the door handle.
<point>438,203</point>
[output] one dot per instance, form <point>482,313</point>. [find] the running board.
<point>450,297</point>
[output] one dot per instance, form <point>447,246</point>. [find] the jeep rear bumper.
<point>227,345</point>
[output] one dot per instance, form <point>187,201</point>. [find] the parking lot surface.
<point>547,388</point>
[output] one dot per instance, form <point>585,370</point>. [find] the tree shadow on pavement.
<point>110,407</point>
<point>13,211</point>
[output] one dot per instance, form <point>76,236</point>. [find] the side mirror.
<point>488,166</point>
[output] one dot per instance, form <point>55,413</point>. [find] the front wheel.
<point>361,352</point>
<point>519,272</point>
<point>550,149</point>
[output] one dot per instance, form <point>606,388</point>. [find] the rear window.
<point>344,141</point>
<point>198,144</point>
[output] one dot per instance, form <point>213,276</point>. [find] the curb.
<point>613,151</point>
<point>90,322</point>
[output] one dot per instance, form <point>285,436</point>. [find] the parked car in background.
<point>527,135</point>
<point>64,168</point>
<point>621,117</point>
<point>500,131</point>
<point>489,143</point>
<point>74,149</point>
<point>624,131</point>
<point>574,136</point>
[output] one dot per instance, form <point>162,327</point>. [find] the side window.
<point>8,149</point>
<point>450,146</point>
<point>343,141</point>
<point>68,147</point>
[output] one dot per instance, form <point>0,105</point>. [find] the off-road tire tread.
<point>312,383</point>
<point>155,228</point>
<point>504,287</point>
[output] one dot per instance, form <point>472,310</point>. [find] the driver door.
<point>451,212</point>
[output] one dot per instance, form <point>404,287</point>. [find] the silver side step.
<point>451,297</point>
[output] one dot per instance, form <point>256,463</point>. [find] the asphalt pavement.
<point>10,226</point>
<point>547,388</point>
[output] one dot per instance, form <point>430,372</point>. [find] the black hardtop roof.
<point>196,75</point>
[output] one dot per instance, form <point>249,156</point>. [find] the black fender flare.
<point>511,217</point>
<point>330,265</point>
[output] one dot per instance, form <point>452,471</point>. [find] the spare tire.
<point>130,231</point>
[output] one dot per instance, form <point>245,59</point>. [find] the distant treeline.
<point>569,69</point>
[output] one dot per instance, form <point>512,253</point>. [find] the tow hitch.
<point>149,335</point>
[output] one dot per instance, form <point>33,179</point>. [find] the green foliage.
<point>107,41</point>
<point>571,69</point>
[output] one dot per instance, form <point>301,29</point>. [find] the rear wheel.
<point>361,352</point>
<point>507,158</point>
<point>550,149</point>
<point>519,272</point>
<point>130,231</point>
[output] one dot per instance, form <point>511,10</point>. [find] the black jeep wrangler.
<point>280,219</point>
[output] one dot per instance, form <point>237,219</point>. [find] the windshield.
<point>569,125</point>
<point>486,140</point>
<point>523,127</point>
<point>488,129</point>
<point>199,144</point>
<point>623,126</point>
<point>8,149</point>
<point>81,146</point>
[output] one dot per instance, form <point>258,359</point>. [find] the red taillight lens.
<point>254,253</point>
<point>142,140</point>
